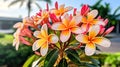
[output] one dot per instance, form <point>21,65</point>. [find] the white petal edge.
<point>105,42</point>
<point>65,38</point>
<point>36,45</point>
<point>56,25</point>
<point>53,38</point>
<point>80,38</point>
<point>43,50</point>
<point>44,27</point>
<point>94,13</point>
<point>36,33</point>
<point>89,51</point>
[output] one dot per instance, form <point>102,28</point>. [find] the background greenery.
<point>9,56</point>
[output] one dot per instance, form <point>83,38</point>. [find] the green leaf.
<point>29,61</point>
<point>94,61</point>
<point>73,56</point>
<point>90,65</point>
<point>63,63</point>
<point>51,58</point>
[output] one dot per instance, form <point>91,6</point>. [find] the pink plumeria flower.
<point>44,40</point>
<point>67,26</point>
<point>92,39</point>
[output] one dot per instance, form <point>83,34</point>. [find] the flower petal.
<point>100,22</point>
<point>61,7</point>
<point>82,38</point>
<point>92,14</point>
<point>75,20</point>
<point>76,30</point>
<point>37,44</point>
<point>17,25</point>
<point>38,34</point>
<point>68,8</point>
<point>44,31</point>
<point>53,38</point>
<point>102,41</point>
<point>16,43</point>
<point>84,27</point>
<point>94,31</point>
<point>90,49</point>
<point>65,35</point>
<point>44,49</point>
<point>58,26</point>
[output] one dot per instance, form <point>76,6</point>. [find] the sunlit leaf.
<point>29,61</point>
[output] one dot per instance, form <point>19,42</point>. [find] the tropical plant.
<point>59,38</point>
<point>28,3</point>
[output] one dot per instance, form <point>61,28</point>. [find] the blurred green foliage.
<point>12,58</point>
<point>9,56</point>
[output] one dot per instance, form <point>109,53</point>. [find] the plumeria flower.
<point>59,11</point>
<point>90,19</point>
<point>92,39</point>
<point>42,17</point>
<point>67,26</point>
<point>44,40</point>
<point>22,30</point>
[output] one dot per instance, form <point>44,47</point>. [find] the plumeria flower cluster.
<point>52,27</point>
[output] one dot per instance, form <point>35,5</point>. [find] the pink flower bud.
<point>56,5</point>
<point>108,30</point>
<point>84,10</point>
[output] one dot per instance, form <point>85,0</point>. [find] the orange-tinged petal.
<point>84,20</point>
<point>76,30</point>
<point>75,20</point>
<point>58,26</point>
<point>90,49</point>
<point>65,35</point>
<point>65,22</point>
<point>37,44</point>
<point>94,31</point>
<point>44,49</point>
<point>82,38</point>
<point>92,14</point>
<point>44,30</point>
<point>38,34</point>
<point>53,38</point>
<point>102,41</point>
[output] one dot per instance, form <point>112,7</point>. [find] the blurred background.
<point>12,11</point>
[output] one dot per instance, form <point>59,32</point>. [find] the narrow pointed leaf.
<point>29,61</point>
<point>73,56</point>
<point>94,61</point>
<point>51,58</point>
<point>63,63</point>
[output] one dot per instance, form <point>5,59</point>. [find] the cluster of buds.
<point>56,28</point>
